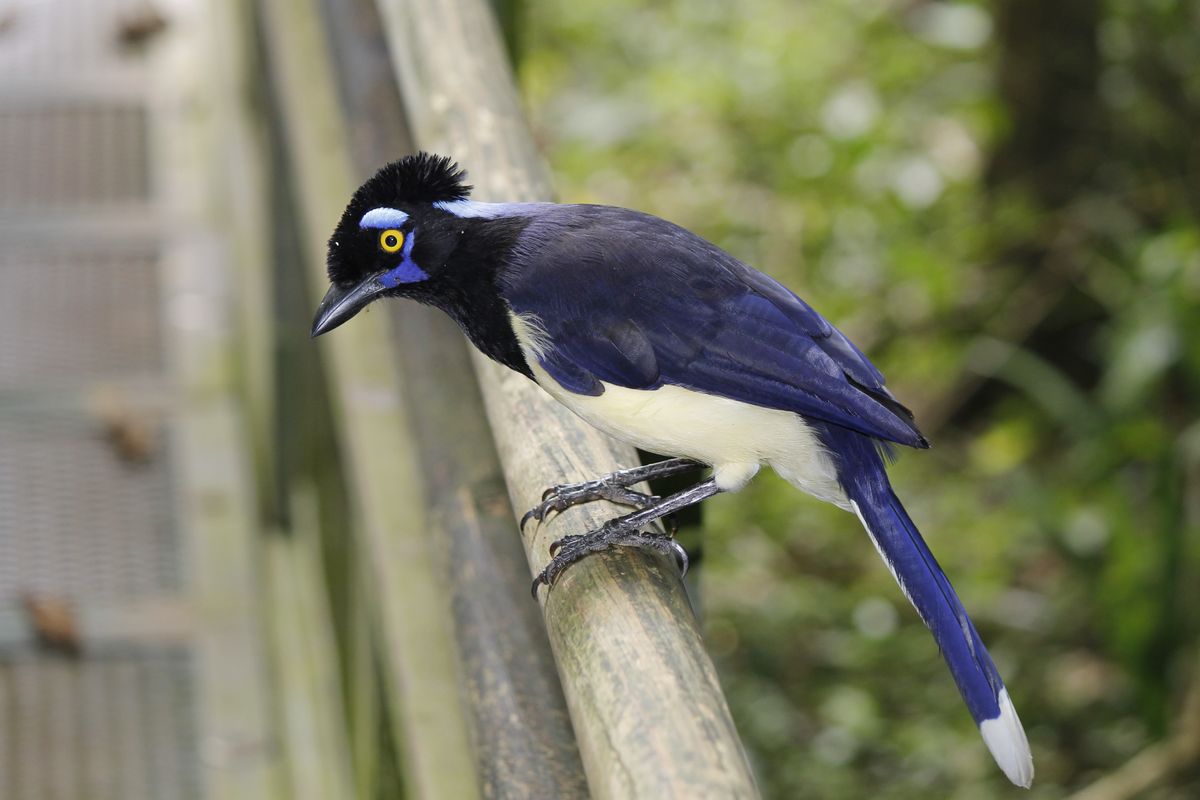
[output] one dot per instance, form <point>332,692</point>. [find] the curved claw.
<point>558,499</point>
<point>598,540</point>
<point>557,544</point>
<point>551,504</point>
<point>681,558</point>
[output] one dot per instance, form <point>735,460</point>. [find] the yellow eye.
<point>390,240</point>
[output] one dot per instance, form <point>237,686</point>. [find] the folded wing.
<point>634,301</point>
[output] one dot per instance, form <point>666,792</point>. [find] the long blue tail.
<point>862,475</point>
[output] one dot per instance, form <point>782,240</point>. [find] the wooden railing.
<point>409,452</point>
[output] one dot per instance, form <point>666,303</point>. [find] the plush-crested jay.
<point>665,341</point>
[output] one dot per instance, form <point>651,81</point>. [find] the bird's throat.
<point>470,291</point>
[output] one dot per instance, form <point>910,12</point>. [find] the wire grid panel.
<point>80,309</point>
<point>76,521</point>
<point>70,316</point>
<point>72,153</point>
<point>115,726</point>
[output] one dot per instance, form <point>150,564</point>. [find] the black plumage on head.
<point>414,180</point>
<point>419,178</point>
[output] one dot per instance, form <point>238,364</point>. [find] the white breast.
<point>734,437</point>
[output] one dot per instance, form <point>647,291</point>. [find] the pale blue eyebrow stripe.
<point>473,209</point>
<point>383,218</point>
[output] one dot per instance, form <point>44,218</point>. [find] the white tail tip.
<point>1005,738</point>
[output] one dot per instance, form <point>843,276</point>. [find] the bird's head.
<point>393,238</point>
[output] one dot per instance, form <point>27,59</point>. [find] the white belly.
<point>734,437</point>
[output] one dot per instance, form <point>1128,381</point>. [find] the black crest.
<point>420,178</point>
<point>417,179</point>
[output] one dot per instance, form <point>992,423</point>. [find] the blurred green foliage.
<point>998,203</point>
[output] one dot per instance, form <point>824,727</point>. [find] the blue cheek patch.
<point>407,272</point>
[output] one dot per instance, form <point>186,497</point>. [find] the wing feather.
<point>631,300</point>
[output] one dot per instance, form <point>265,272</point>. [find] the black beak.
<point>340,304</point>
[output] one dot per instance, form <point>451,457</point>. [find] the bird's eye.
<point>390,240</point>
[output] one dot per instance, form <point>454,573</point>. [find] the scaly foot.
<point>626,530</point>
<point>558,499</point>
<point>569,549</point>
<point>614,487</point>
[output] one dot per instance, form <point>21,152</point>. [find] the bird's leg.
<point>614,487</point>
<point>626,530</point>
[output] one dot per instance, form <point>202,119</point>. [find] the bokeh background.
<point>216,535</point>
<point>998,202</point>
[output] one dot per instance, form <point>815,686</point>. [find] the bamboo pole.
<point>648,711</point>
<point>523,743</point>
<point>312,722</point>
<point>383,476</point>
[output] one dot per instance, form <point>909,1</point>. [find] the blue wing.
<point>635,301</point>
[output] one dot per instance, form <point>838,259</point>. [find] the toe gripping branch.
<point>614,487</point>
<point>624,530</point>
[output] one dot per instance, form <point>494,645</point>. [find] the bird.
<point>663,340</point>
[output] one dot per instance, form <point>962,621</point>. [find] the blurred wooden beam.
<point>308,681</point>
<point>383,475</point>
<point>523,742</point>
<point>216,497</point>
